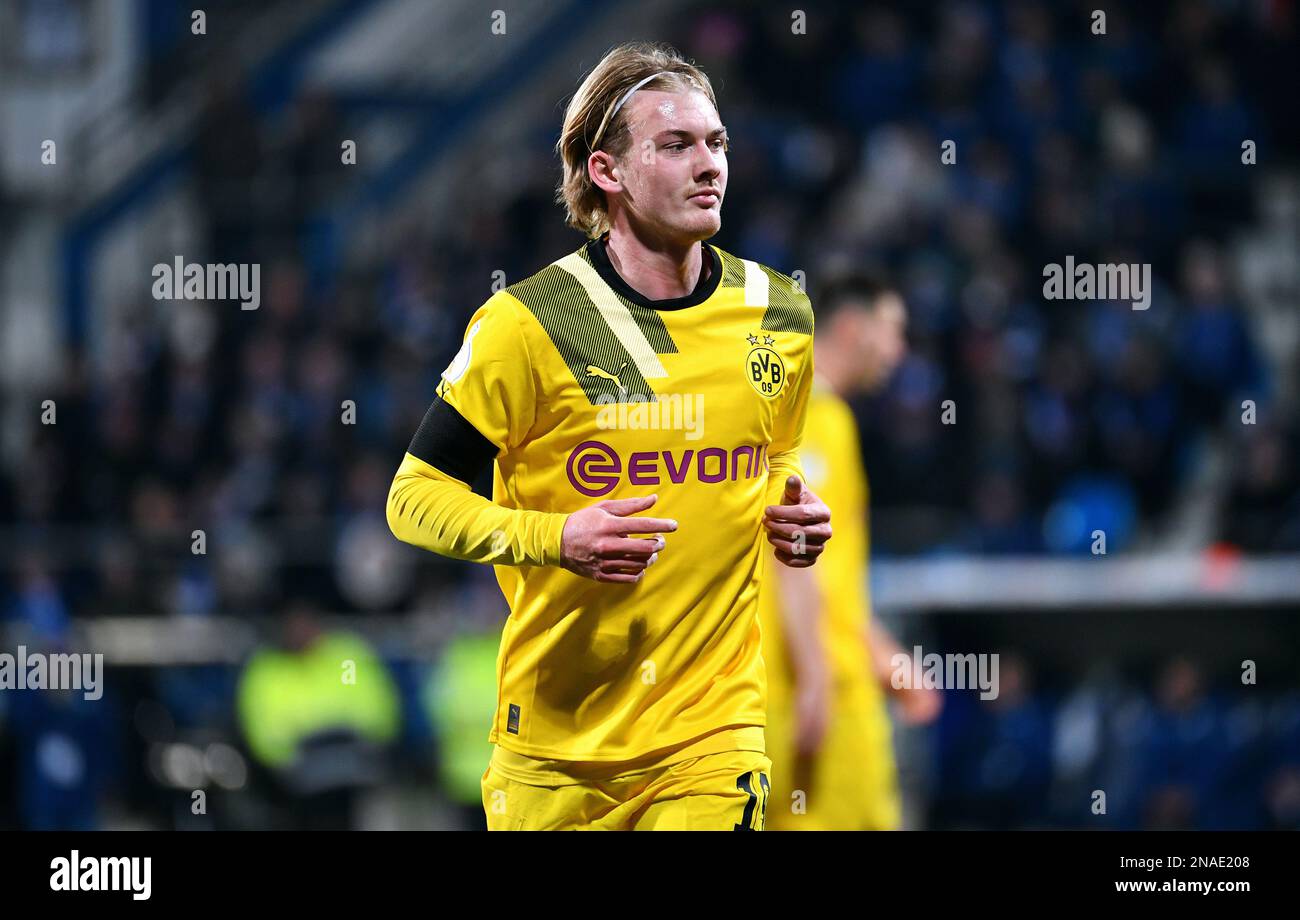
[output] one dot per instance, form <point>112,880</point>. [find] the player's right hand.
<point>919,705</point>
<point>596,542</point>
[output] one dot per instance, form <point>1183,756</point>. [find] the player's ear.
<point>604,172</point>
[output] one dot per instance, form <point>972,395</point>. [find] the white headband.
<point>619,105</point>
<point>628,94</point>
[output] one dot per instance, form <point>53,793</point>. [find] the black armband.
<point>448,442</point>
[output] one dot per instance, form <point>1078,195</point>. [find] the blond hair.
<point>590,122</point>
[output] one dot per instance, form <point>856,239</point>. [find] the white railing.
<point>965,584</point>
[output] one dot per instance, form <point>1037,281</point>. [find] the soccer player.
<point>642,400</point>
<point>828,664</point>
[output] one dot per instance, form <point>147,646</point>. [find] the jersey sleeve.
<point>490,382</point>
<point>787,436</point>
<point>485,406</point>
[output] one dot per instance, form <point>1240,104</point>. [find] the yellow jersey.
<point>832,460</point>
<point>851,783</point>
<point>587,391</point>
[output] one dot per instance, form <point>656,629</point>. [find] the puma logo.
<point>594,371</point>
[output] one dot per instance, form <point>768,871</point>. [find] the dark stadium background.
<point>1120,672</point>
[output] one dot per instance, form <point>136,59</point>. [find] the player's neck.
<point>657,269</point>
<point>831,371</point>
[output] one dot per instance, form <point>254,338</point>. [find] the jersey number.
<point>745,784</point>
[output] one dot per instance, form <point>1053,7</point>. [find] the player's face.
<point>878,336</point>
<point>678,150</point>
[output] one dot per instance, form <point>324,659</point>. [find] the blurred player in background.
<point>828,662</point>
<point>628,698</point>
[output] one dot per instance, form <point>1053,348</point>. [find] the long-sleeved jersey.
<point>580,389</point>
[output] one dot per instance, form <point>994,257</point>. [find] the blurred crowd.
<point>1180,752</point>
<point>190,421</point>
<point>1068,415</point>
<point>280,743</point>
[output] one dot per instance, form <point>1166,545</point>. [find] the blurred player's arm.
<point>918,705</point>
<point>801,624</point>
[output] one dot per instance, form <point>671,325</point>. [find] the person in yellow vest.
<point>828,664</point>
<point>318,712</point>
<point>460,698</point>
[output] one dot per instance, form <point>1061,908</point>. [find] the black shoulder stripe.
<point>582,335</point>
<point>447,441</point>
<point>733,271</point>
<point>789,309</point>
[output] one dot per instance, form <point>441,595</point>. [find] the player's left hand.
<point>798,527</point>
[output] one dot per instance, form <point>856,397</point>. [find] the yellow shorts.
<point>720,790</point>
<point>850,783</point>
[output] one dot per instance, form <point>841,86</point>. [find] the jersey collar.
<point>704,287</point>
